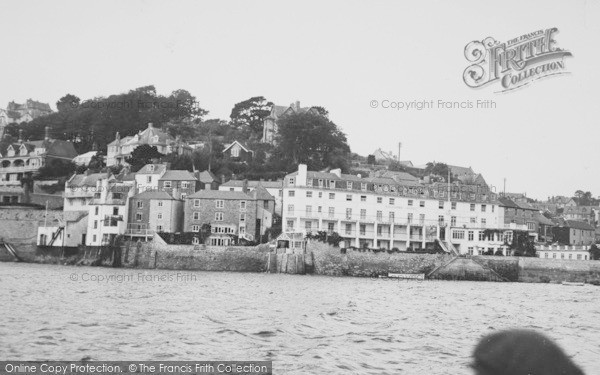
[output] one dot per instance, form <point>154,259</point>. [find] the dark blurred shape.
<point>521,352</point>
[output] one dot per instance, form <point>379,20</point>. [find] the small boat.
<point>572,283</point>
<point>408,276</point>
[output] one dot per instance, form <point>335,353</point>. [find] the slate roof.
<point>86,180</point>
<point>154,194</point>
<point>178,175</point>
<point>158,169</point>
<point>254,183</point>
<point>219,194</point>
<point>541,219</point>
<point>261,193</point>
<point>574,224</point>
<point>206,177</point>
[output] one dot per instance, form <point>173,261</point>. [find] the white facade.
<point>377,216</point>
<point>563,252</point>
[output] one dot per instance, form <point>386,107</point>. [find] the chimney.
<point>297,105</point>
<point>47,133</point>
<point>245,186</point>
<point>117,136</point>
<point>399,149</point>
<point>20,135</point>
<point>150,125</point>
<point>222,178</point>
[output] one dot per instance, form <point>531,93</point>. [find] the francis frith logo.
<point>514,63</point>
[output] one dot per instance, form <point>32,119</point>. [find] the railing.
<point>562,247</point>
<point>139,232</point>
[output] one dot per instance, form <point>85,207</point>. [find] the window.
<point>167,184</point>
<point>319,209</point>
<point>331,195</point>
<point>363,214</point>
<point>149,179</point>
<point>483,207</point>
<point>159,216</point>
<point>441,205</point>
<point>196,202</point>
<point>160,203</point>
<point>493,206</point>
<point>379,215</point>
<point>472,207</point>
<point>196,216</point>
<point>473,220</point>
<point>471,235</point>
<point>266,205</point>
<point>363,186</point>
<point>185,185</point>
<point>308,226</point>
<point>309,182</point>
<point>159,228</point>
<point>392,200</point>
<point>242,217</point>
<point>391,217</point>
<point>349,185</point>
<point>320,194</point>
<point>349,197</point>
<point>291,193</point>
<point>458,234</point>
<point>139,204</point>
<point>218,216</point>
<point>320,183</point>
<point>410,202</point>
<point>219,203</point>
<point>309,194</point>
<point>195,241</point>
<point>531,226</point>
<point>470,250</point>
<point>483,222</point>
<point>441,219</point>
<point>331,212</point>
<point>195,228</point>
<point>330,227</point>
<point>290,225</point>
<point>96,221</point>
<point>379,200</point>
<point>363,198</point>
<point>291,181</point>
<point>115,211</point>
<point>410,217</point>
<point>308,210</point>
<point>363,229</point>
<point>453,221</point>
<point>348,213</point>
<point>422,219</point>
<point>453,205</point>
<point>96,210</point>
<point>348,228</point>
<point>422,204</point>
<point>243,205</point>
<point>290,209</point>
<point>481,235</point>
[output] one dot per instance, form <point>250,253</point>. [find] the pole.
<point>46,216</point>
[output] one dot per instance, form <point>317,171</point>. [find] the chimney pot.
<point>150,125</point>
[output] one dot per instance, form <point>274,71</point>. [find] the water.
<point>304,324</point>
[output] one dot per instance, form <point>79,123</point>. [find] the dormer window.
<point>155,139</point>
<point>151,168</point>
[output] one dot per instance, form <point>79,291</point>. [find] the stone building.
<point>27,111</point>
<point>277,112</point>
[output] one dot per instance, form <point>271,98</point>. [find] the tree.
<point>371,160</point>
<point>67,103</point>
<point>142,155</point>
<point>438,169</point>
<point>594,252</point>
<point>56,168</point>
<point>311,139</point>
<point>96,163</point>
<point>250,114</point>
<point>321,111</point>
<point>522,244</point>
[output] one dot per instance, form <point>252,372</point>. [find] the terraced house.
<point>382,213</point>
<point>154,212</point>
<point>244,214</point>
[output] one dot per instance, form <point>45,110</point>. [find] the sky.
<point>342,55</point>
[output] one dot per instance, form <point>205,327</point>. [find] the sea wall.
<point>540,270</point>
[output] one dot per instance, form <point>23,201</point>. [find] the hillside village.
<point>263,178</point>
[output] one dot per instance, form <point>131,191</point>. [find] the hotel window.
<point>195,228</point>
<point>392,201</point>
<point>471,235</point>
<point>348,228</point>
<point>331,212</point>
<point>308,226</point>
<point>196,202</point>
<point>441,205</point>
<point>291,193</point>
<point>441,219</point>
<point>348,213</point>
<point>309,194</point>
<point>363,229</point>
<point>290,209</point>
<point>453,221</point>
<point>349,185</point>
<point>483,206</point>
<point>363,214</point>
<point>379,215</point>
<point>453,205</point>
<point>218,216</point>
<point>159,216</point>
<point>330,227</point>
<point>308,210</point>
<point>483,222</point>
<point>422,204</point>
<point>243,205</point>
<point>379,200</point>
<point>167,184</point>
<point>472,207</point>
<point>363,198</point>
<point>481,235</point>
<point>242,217</point>
<point>473,220</point>
<point>458,234</point>
<point>196,216</point>
<point>331,195</point>
<point>363,186</point>
<point>349,197</point>
<point>409,218</point>
<point>219,203</point>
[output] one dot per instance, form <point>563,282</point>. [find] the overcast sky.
<point>340,55</point>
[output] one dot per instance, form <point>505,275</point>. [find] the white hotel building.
<point>381,213</point>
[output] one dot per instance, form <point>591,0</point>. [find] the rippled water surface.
<point>304,324</point>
